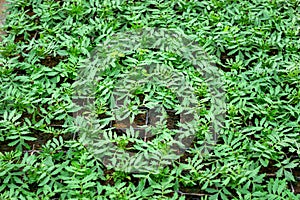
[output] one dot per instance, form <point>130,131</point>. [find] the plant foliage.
<point>256,46</point>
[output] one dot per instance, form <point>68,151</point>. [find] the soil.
<point>139,120</point>
<point>270,170</point>
<point>296,185</point>
<point>172,119</point>
<point>42,139</point>
<point>51,61</point>
<point>143,118</point>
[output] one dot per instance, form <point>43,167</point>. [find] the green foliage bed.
<point>256,45</point>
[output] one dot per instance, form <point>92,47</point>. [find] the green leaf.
<point>45,181</point>
<point>289,176</point>
<point>29,138</point>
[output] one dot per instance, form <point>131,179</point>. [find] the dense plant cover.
<point>255,44</point>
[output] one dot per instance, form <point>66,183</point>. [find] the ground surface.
<point>254,44</point>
